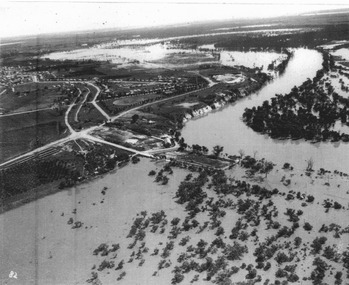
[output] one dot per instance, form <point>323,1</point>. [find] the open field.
<point>134,99</point>
<point>24,132</point>
<point>31,96</point>
<point>88,116</point>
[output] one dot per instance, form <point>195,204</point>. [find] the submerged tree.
<point>267,167</point>
<point>310,164</point>
<point>217,150</point>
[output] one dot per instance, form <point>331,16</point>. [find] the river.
<point>225,127</point>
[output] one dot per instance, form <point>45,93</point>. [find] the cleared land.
<point>24,132</point>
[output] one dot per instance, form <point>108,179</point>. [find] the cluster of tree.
<point>104,249</point>
<point>308,111</point>
<point>192,193</point>
<point>99,159</point>
<point>255,166</point>
<point>25,176</point>
<point>331,204</point>
<point>245,42</point>
<point>319,272</point>
<point>280,68</point>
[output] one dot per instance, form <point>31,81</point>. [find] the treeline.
<point>28,175</point>
<point>277,42</point>
<point>283,64</point>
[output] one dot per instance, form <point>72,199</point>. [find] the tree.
<point>135,117</point>
<point>267,167</point>
<point>217,150</point>
<point>152,173</point>
<point>177,278</point>
<point>235,252</point>
<point>204,149</point>
<point>310,164</point>
<point>307,226</point>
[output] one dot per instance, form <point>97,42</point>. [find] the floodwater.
<point>125,52</point>
<point>343,53</point>
<point>251,59</point>
<point>39,245</point>
<point>148,54</point>
<point>226,128</point>
<point>119,55</point>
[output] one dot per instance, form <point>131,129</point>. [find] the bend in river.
<point>226,127</point>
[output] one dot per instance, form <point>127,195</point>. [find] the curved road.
<point>76,119</point>
<point>95,103</point>
<point>84,134</point>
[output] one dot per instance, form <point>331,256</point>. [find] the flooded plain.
<point>50,251</point>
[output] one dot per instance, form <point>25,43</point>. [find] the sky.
<point>19,18</point>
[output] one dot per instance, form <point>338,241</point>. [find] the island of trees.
<point>309,111</point>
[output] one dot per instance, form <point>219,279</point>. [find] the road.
<point>66,116</point>
<point>76,119</point>
<point>37,150</point>
<point>210,82</point>
<point>142,153</point>
<point>24,112</point>
<point>95,103</point>
<point>84,134</point>
<point>2,92</point>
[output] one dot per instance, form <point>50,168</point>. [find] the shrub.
<point>281,258</point>
<point>307,226</point>
<point>286,166</point>
<point>280,273</point>
<point>293,278</point>
<point>251,274</point>
<point>329,252</point>
<point>175,221</point>
<point>310,198</point>
<point>318,274</point>
<point>235,269</point>
<point>267,266</point>
<point>297,241</point>
<point>220,231</point>
<point>177,278</point>
<point>235,252</point>
<point>337,206</point>
<point>184,241</point>
<point>152,173</point>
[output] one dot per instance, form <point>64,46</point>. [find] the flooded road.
<point>226,128</point>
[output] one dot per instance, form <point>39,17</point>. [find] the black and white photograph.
<point>174,142</point>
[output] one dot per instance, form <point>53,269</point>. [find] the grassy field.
<point>30,96</point>
<point>21,133</point>
<point>134,99</point>
<point>186,59</point>
<point>88,116</point>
